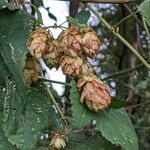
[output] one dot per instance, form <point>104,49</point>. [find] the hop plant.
<point>94,93</point>
<point>74,66</point>
<point>38,42</point>
<point>71,41</point>
<point>91,42</point>
<point>53,55</point>
<point>76,41</point>
<point>31,70</point>
<point>59,141</point>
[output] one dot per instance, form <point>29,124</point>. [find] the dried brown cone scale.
<point>38,42</point>
<point>74,66</point>
<point>71,41</point>
<point>31,70</point>
<point>94,93</point>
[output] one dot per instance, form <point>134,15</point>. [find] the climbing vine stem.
<point>109,27</point>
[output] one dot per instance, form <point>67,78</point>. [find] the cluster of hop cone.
<point>69,51</point>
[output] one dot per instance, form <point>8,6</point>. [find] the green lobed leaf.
<point>83,16</point>
<point>15,27</point>
<point>144,9</point>
<point>4,4</point>
<point>88,142</point>
<point>26,115</point>
<point>114,124</point>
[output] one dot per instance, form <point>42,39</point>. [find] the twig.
<point>130,11</point>
<point>145,26</point>
<point>53,100</point>
<point>109,1</point>
<point>123,72</point>
<point>52,81</point>
<point>125,18</point>
<point>138,105</point>
<point>119,36</point>
<point>56,105</point>
<point>142,128</point>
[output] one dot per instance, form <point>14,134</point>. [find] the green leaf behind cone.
<point>83,16</point>
<point>114,124</point>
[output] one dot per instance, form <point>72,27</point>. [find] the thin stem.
<point>123,72</point>
<point>119,36</point>
<point>125,18</point>
<point>52,81</point>
<point>53,100</point>
<point>138,105</point>
<point>145,26</point>
<point>56,105</point>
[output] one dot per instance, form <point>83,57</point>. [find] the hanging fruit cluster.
<point>70,51</point>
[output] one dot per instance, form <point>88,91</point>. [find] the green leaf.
<point>75,22</point>
<point>4,4</point>
<point>88,142</point>
<point>26,115</point>
<point>83,16</point>
<point>143,9</point>
<point>114,124</point>
<point>4,143</point>
<point>117,103</point>
<point>15,27</point>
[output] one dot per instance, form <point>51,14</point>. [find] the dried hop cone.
<point>91,42</point>
<point>31,70</point>
<point>75,41</point>
<point>53,55</point>
<point>38,42</point>
<point>71,41</point>
<point>94,93</point>
<point>74,66</point>
<point>59,141</point>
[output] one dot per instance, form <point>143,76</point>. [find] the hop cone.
<point>53,55</point>
<point>38,42</point>
<point>74,66</point>
<point>59,141</point>
<point>31,70</point>
<point>75,41</point>
<point>71,41</point>
<point>91,42</point>
<point>94,93</point>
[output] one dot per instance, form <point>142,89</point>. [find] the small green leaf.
<point>83,16</point>
<point>75,22</point>
<point>143,9</point>
<point>114,124</point>
<point>4,4</point>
